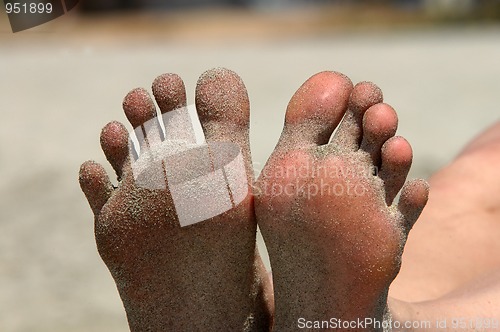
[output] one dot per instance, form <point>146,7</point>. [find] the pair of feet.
<point>325,203</point>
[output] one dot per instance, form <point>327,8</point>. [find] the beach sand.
<point>60,86</point>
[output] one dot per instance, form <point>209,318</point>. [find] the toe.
<point>379,124</point>
<point>223,106</point>
<point>95,185</point>
<point>170,94</point>
<point>412,201</point>
<point>224,111</point>
<point>115,144</point>
<point>141,113</point>
<point>315,110</point>
<point>139,107</point>
<point>396,161</point>
<point>363,96</point>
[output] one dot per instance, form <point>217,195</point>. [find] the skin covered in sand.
<point>334,234</point>
<point>326,208</point>
<point>207,276</point>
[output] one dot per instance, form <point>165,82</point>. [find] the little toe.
<point>396,162</point>
<point>141,113</point>
<point>380,123</point>
<point>115,144</point>
<point>349,134</point>
<point>95,185</point>
<point>413,198</point>
<point>315,110</point>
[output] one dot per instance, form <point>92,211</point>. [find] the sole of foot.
<point>206,276</point>
<point>325,203</point>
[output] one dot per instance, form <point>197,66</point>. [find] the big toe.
<point>223,108</point>
<point>222,104</point>
<point>315,110</point>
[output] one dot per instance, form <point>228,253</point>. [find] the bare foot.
<point>452,244</point>
<point>334,235</point>
<point>205,276</point>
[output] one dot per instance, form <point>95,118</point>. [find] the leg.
<point>206,276</point>
<point>453,243</point>
<point>471,307</point>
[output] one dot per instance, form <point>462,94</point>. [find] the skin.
<point>207,276</point>
<point>450,271</point>
<point>451,244</point>
<point>334,254</point>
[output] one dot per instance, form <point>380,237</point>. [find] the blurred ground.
<point>63,81</point>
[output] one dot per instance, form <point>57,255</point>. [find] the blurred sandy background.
<point>62,82</point>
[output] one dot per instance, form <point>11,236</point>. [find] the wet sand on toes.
<point>60,88</point>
